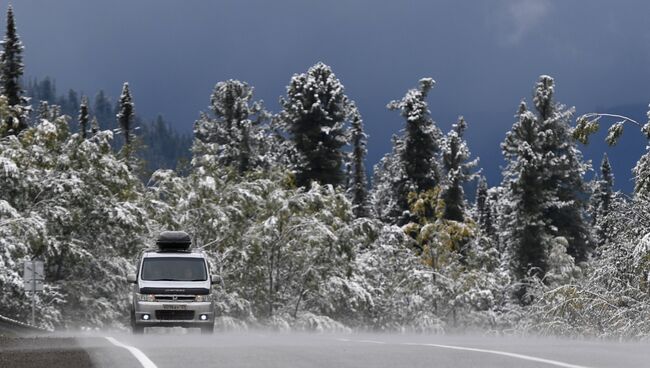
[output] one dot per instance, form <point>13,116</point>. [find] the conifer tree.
<point>233,135</point>
<point>314,114</point>
<point>545,193</point>
<point>126,114</point>
<point>483,208</point>
<point>389,190</point>
<point>455,155</point>
<point>421,137</point>
<point>358,186</point>
<point>412,166</point>
<point>564,170</point>
<point>11,72</point>
<point>602,200</point>
<point>641,170</point>
<point>83,117</point>
<point>525,229</point>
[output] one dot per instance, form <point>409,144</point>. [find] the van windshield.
<point>173,269</point>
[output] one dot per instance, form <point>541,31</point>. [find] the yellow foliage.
<point>439,240</point>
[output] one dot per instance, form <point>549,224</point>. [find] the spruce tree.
<point>483,208</point>
<point>83,117</point>
<point>389,186</point>
<point>412,166</point>
<point>455,156</point>
<point>233,135</point>
<point>126,114</point>
<point>421,137</point>
<point>525,228</point>
<point>314,114</point>
<point>564,170</point>
<point>12,67</point>
<point>641,170</point>
<point>602,200</point>
<point>358,186</point>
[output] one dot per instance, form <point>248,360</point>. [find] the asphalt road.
<point>262,349</point>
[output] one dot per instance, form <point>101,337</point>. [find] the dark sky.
<point>484,55</point>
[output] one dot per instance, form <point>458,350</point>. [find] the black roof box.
<point>173,240</point>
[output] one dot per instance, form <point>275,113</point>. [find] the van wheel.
<point>137,330</point>
<point>207,330</point>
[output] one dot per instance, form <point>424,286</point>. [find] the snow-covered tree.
<point>524,228</point>
<point>315,111</point>
<point>412,166</point>
<point>641,170</point>
<point>11,71</point>
<point>83,117</point>
<point>611,299</point>
<point>455,155</point>
<point>234,137</point>
<point>602,199</point>
<point>358,187</point>
<point>421,137</point>
<point>564,171</point>
<point>483,208</point>
<point>126,114</point>
<point>389,178</point>
<point>76,207</point>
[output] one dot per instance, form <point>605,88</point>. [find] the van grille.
<point>174,315</point>
<point>178,298</point>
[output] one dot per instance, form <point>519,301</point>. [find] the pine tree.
<point>126,114</point>
<point>483,208</point>
<point>641,170</point>
<point>234,134</point>
<point>412,165</point>
<point>314,113</point>
<point>455,156</point>
<point>602,200</point>
<point>421,137</point>
<point>358,186</point>
<point>525,229</point>
<point>12,67</point>
<point>389,190</point>
<point>564,171</point>
<point>83,117</point>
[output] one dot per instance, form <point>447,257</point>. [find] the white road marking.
<point>139,355</point>
<point>494,352</point>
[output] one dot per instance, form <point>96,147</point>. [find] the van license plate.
<point>174,306</point>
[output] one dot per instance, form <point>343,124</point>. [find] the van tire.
<point>137,330</point>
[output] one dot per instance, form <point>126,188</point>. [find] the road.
<point>266,349</point>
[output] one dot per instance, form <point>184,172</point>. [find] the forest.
<point>303,235</point>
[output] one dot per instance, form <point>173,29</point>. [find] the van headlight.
<point>145,297</point>
<point>203,298</point>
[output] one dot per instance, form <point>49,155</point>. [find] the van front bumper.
<point>173,314</point>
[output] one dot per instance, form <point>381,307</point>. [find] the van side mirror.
<point>130,278</point>
<point>214,279</point>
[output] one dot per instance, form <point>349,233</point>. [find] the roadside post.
<point>33,277</point>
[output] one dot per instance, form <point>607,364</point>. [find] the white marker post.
<point>33,277</point>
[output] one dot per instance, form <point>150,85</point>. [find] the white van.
<point>172,286</point>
